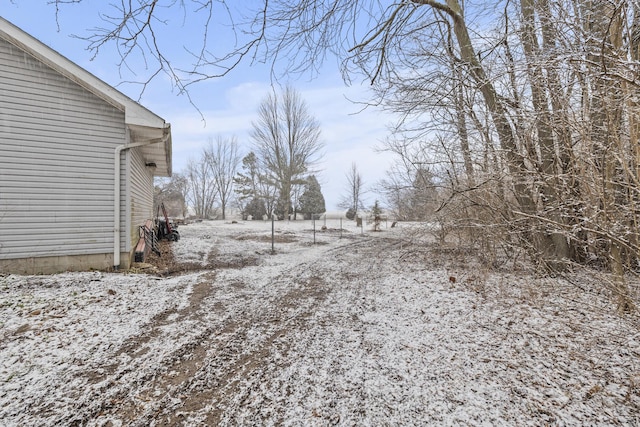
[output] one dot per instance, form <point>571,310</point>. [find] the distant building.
<point>342,214</point>
<point>77,161</point>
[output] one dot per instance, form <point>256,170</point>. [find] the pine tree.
<point>253,187</point>
<point>255,208</point>
<point>312,200</point>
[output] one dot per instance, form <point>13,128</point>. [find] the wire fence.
<point>323,229</point>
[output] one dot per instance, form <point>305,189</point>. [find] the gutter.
<point>116,190</point>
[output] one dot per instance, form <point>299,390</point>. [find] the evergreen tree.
<point>312,200</point>
<point>351,213</point>
<point>376,214</point>
<point>255,208</point>
<point>422,196</point>
<point>253,187</point>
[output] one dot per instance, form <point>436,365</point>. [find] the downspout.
<point>116,192</point>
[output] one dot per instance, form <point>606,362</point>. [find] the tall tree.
<point>287,139</point>
<point>222,158</point>
<point>354,189</point>
<point>608,138</point>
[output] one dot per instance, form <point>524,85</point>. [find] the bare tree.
<point>173,193</point>
<point>354,189</point>
<point>409,185</point>
<point>287,140</point>
<point>202,189</point>
<point>222,158</point>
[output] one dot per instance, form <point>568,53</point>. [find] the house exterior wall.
<point>139,196</point>
<point>57,142</point>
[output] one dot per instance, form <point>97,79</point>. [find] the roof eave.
<point>135,114</point>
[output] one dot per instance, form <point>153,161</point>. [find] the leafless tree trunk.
<point>461,123</point>
<point>556,248</point>
<point>607,129</point>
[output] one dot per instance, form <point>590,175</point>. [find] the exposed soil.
<point>166,264</point>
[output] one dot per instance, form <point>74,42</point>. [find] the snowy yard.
<point>378,329</point>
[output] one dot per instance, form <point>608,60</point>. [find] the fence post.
<point>273,228</point>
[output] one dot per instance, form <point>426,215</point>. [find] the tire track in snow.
<point>111,384</point>
<point>232,365</point>
<point>207,368</point>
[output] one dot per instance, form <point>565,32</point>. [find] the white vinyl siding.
<point>56,164</point>
<point>140,204</point>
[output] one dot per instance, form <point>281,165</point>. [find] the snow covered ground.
<point>360,328</point>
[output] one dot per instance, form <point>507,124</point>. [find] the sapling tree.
<point>352,201</point>
<point>376,215</point>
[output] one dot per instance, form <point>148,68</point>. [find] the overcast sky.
<point>228,104</point>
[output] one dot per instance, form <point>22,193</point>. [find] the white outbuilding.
<point>77,162</point>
